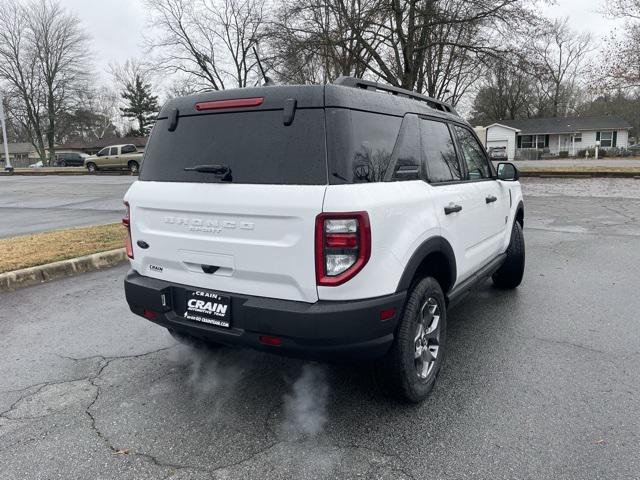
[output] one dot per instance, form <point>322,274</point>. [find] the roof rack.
<point>400,92</point>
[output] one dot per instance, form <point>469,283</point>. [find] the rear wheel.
<point>192,341</point>
<point>410,368</point>
<point>510,274</point>
<point>63,163</point>
<point>91,167</point>
<point>133,166</point>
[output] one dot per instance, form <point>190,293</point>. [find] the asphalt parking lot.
<point>30,204</point>
<point>538,383</point>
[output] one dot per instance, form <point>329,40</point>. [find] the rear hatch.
<point>245,226</point>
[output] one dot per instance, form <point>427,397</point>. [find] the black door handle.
<point>491,199</point>
<point>452,209</point>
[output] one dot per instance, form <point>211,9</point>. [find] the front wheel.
<point>91,167</point>
<point>510,274</point>
<point>133,166</point>
<point>410,368</point>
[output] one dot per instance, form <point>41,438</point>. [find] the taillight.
<point>343,246</point>
<point>126,222</point>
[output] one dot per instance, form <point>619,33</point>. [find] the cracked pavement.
<point>537,383</point>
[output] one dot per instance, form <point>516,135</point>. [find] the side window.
<point>361,145</point>
<point>405,159</point>
<point>473,154</point>
<point>103,152</point>
<point>114,151</point>
<point>438,153</point>
<point>128,149</point>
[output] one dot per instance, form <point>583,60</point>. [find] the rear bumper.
<point>325,330</point>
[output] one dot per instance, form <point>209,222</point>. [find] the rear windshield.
<point>256,146</point>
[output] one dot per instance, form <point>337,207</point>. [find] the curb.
<point>26,277</point>
<point>579,174</point>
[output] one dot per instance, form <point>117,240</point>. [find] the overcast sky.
<point>116,26</point>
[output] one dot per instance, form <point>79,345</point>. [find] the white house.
<point>535,137</point>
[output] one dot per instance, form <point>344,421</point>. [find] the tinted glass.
<point>360,145</point>
<point>103,152</point>
<point>439,153</point>
<point>128,149</point>
<point>114,151</point>
<point>405,159</point>
<point>256,146</point>
<point>473,154</point>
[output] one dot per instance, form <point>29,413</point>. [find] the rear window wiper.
<point>219,170</point>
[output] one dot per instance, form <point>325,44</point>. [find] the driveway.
<point>541,382</point>
<point>39,203</point>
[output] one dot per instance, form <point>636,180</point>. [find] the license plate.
<point>208,307</point>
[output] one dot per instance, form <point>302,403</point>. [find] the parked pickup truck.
<point>115,157</point>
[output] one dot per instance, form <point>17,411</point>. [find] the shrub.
<point>602,153</point>
<point>563,154</point>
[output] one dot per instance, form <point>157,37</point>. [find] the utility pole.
<point>7,165</point>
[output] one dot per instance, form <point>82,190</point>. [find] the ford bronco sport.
<point>331,222</point>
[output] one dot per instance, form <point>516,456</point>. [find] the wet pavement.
<point>540,382</point>
<point>36,204</point>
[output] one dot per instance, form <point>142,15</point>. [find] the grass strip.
<point>41,248</point>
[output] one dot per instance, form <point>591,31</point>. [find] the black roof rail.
<point>401,92</point>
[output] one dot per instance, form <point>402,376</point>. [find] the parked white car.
<point>328,222</point>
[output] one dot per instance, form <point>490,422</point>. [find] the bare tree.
<point>93,117</point>
<point>20,74</point>
<point>61,49</point>
<point>627,9</point>
<point>208,40</point>
<point>506,92</point>
<point>622,49</point>
<point>311,42</point>
<point>407,33</point>
<point>557,57</point>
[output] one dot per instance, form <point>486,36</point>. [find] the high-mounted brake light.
<point>343,246</point>
<point>232,103</point>
<point>126,222</point>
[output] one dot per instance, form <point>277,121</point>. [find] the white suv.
<point>333,222</point>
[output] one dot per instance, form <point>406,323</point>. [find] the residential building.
<point>535,138</point>
<point>20,154</point>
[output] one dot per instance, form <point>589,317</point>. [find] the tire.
<point>133,166</point>
<point>62,164</point>
<point>192,341</point>
<point>510,274</point>
<point>408,371</point>
<point>92,167</point>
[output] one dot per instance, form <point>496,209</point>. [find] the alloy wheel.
<point>427,338</point>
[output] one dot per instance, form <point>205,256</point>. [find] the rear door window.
<point>360,145</point>
<point>114,151</point>
<point>438,153</point>
<point>256,146</point>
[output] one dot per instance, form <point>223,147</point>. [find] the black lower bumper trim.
<point>327,330</point>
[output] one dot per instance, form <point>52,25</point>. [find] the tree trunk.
<point>51,113</point>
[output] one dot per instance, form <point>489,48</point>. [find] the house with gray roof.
<point>535,137</point>
<point>21,154</point>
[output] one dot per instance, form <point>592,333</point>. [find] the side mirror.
<point>508,172</point>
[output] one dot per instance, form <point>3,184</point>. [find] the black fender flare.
<point>429,246</point>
